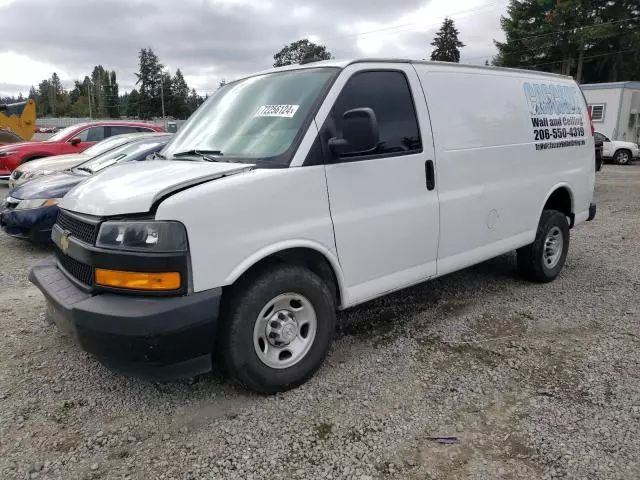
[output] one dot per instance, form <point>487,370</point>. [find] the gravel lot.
<point>533,381</point>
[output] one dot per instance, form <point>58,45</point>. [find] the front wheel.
<point>544,258</point>
<point>622,157</point>
<point>279,329</point>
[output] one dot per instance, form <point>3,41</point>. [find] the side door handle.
<point>430,174</point>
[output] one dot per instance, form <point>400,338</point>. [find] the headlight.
<point>151,236</point>
<point>35,173</point>
<point>6,153</point>
<point>36,203</point>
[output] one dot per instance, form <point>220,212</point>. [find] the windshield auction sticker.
<point>287,111</point>
<point>556,115</point>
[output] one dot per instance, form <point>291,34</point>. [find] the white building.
<point>615,109</point>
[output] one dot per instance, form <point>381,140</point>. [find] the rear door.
<point>385,215</point>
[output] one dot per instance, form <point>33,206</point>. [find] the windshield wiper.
<point>159,155</point>
<point>84,169</point>
<point>204,154</point>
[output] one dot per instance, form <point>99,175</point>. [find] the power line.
<point>576,28</point>
<point>542,47</point>
<point>587,57</point>
<point>401,27</point>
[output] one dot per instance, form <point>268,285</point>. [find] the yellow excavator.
<point>18,119</point>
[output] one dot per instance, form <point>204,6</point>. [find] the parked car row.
<point>30,210</point>
<point>74,139</point>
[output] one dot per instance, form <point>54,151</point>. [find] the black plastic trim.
<point>97,257</point>
<point>160,338</point>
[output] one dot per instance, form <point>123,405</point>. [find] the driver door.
<point>384,211</point>
<point>88,136</point>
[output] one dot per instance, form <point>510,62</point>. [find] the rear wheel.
<point>544,258</point>
<point>622,157</point>
<point>279,328</point>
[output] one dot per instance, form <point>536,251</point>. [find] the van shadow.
<point>450,294</point>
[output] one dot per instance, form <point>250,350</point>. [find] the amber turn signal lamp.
<point>138,280</point>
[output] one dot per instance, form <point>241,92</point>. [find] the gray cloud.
<point>207,39</point>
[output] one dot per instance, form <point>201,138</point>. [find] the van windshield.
<point>254,119</point>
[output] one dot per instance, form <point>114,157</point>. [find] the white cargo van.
<point>301,190</point>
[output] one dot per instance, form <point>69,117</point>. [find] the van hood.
<point>56,163</point>
<point>134,187</point>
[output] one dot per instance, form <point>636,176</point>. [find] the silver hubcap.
<point>623,157</point>
<point>285,330</point>
<point>553,246</point>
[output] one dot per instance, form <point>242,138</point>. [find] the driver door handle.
<point>430,175</point>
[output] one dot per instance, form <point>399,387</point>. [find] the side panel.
<point>236,220</point>
<point>493,171</point>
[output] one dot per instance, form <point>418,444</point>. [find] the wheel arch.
<point>560,198</point>
<point>314,256</point>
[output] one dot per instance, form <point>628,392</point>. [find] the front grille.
<point>78,270</point>
<point>87,232</point>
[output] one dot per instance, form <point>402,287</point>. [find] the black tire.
<point>622,157</point>
<point>236,350</point>
<point>531,259</point>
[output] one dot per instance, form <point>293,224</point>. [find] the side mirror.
<point>75,141</point>
<point>359,133</point>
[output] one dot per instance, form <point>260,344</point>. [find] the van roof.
<point>342,63</point>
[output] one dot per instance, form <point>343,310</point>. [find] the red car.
<point>72,139</point>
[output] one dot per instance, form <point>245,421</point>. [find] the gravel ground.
<point>532,381</point>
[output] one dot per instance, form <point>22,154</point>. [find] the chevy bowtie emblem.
<point>64,242</point>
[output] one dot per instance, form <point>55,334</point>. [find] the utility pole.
<point>52,99</point>
<point>90,115</point>
<point>164,120</point>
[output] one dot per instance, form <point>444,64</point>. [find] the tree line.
<point>97,95</point>
<point>592,40</point>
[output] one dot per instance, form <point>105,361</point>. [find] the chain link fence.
<point>62,122</point>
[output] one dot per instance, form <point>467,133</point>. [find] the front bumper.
<point>160,338</point>
<point>33,225</point>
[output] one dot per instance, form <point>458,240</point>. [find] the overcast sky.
<point>214,39</point>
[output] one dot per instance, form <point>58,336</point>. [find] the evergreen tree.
<point>133,104</point>
<point>194,101</point>
<point>33,94</point>
<point>300,51</point>
<point>447,43</point>
<point>180,96</point>
<point>593,40</point>
<point>149,78</point>
<point>112,96</point>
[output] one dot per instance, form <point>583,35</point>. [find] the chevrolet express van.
<point>301,190</point>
